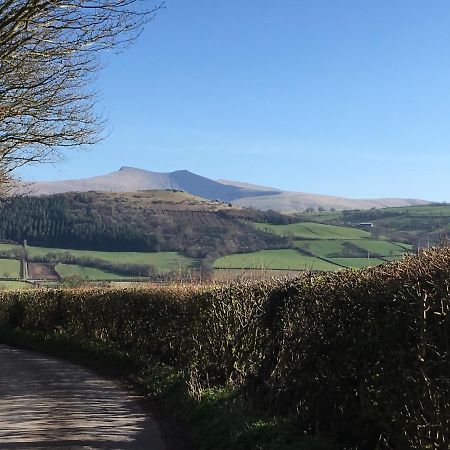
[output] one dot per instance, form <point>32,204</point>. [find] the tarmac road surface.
<point>46,403</point>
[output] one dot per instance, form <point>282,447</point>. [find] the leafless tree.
<point>49,56</point>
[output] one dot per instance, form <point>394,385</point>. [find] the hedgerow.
<point>361,357</point>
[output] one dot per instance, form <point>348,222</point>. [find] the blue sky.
<point>348,98</point>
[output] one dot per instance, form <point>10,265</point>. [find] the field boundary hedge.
<point>360,357</point>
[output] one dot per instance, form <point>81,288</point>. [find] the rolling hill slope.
<point>422,225</point>
<point>157,232</point>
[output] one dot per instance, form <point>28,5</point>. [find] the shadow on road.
<point>50,404</point>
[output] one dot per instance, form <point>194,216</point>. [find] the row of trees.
<point>49,56</point>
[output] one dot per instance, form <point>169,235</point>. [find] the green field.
<point>340,246</point>
<point>10,247</point>
<point>423,226</point>
<point>357,263</point>
<point>287,259</point>
<point>421,210</point>
<point>384,248</point>
<point>14,285</point>
<point>318,247</point>
<point>391,258</point>
<point>329,248</point>
<point>9,268</point>
<point>322,248</point>
<point>162,261</point>
<point>86,273</point>
<point>311,230</point>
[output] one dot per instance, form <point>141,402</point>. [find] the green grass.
<point>287,259</point>
<point>421,225</point>
<point>392,258</point>
<point>9,268</point>
<point>326,248</point>
<point>383,248</point>
<point>9,247</point>
<point>162,261</point>
<point>421,210</point>
<point>87,273</point>
<point>14,285</point>
<point>312,230</point>
<point>321,247</point>
<point>357,263</point>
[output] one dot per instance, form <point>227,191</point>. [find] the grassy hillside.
<point>208,232</point>
<point>309,230</point>
<point>331,247</point>
<point>420,226</point>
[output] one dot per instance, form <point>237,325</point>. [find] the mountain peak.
<point>129,169</point>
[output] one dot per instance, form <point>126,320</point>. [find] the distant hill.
<point>129,179</point>
<point>292,202</point>
<point>422,226</point>
<point>145,221</point>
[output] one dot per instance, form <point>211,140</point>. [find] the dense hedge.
<point>359,356</point>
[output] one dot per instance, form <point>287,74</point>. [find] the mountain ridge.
<point>128,179</point>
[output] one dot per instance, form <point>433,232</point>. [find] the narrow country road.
<point>46,403</point>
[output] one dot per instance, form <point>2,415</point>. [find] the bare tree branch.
<point>49,56</point>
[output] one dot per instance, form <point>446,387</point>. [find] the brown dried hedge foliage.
<point>360,356</point>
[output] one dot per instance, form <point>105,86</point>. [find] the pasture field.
<point>8,247</point>
<point>421,210</point>
<point>344,247</point>
<point>86,273</point>
<point>321,247</point>
<point>357,263</point>
<point>9,268</point>
<point>329,248</point>
<point>14,285</point>
<point>384,248</point>
<point>391,258</point>
<point>312,230</point>
<point>286,259</point>
<point>162,261</point>
<point>424,225</point>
